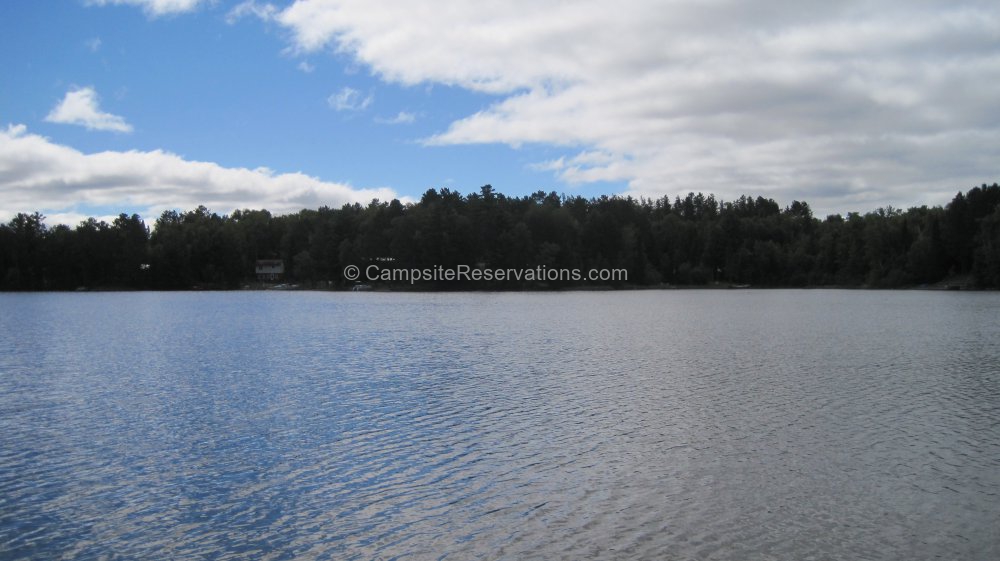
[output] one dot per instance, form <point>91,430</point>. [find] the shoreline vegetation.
<point>691,242</point>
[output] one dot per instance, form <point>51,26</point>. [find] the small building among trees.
<point>270,269</point>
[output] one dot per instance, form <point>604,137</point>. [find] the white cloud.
<point>304,66</point>
<point>349,99</point>
<point>844,104</point>
<point>402,118</point>
<point>153,8</point>
<point>261,11</point>
<point>38,174</point>
<point>93,44</point>
<point>80,107</point>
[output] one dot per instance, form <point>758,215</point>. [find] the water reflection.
<point>701,424</point>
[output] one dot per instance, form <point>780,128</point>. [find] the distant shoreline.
<point>453,242</point>
<point>418,289</point>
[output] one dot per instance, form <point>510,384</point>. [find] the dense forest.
<point>695,240</point>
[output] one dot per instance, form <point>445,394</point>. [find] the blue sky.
<point>144,105</point>
<point>231,93</point>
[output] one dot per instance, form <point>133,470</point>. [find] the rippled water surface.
<point>621,425</point>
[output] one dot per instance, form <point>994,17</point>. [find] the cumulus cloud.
<point>38,174</point>
<point>845,104</point>
<point>350,99</point>
<point>153,8</point>
<point>80,107</point>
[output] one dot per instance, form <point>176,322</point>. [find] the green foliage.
<point>688,241</point>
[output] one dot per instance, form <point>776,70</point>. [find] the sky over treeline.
<point>146,105</point>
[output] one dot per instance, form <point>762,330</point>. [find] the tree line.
<point>695,240</point>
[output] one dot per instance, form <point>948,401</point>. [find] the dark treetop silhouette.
<point>696,240</point>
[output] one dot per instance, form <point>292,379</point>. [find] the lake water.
<point>590,425</point>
